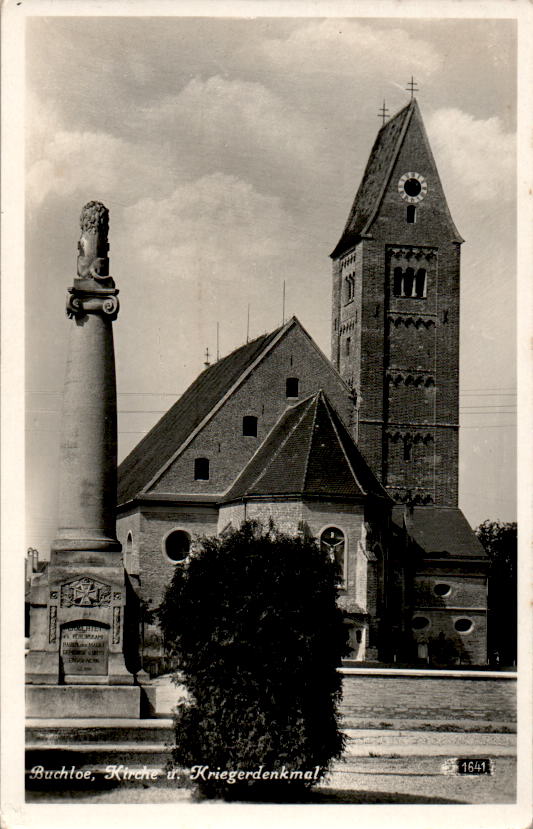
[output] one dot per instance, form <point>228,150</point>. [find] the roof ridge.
<point>373,183</point>
<point>394,156</point>
<point>317,397</point>
<point>341,442</point>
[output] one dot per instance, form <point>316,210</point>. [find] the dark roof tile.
<point>440,532</point>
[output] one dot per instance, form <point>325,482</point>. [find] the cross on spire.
<point>384,112</point>
<point>412,87</point>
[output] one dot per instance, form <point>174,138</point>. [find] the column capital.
<point>92,301</point>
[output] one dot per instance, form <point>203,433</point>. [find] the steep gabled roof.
<point>440,532</point>
<point>146,459</point>
<point>377,174</point>
<point>309,453</point>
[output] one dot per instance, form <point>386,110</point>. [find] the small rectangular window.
<point>249,426</point>
<point>348,345</point>
<point>291,387</point>
<point>411,214</point>
<point>201,469</point>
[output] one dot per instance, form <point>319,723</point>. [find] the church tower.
<point>395,316</point>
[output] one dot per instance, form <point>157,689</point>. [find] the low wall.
<point>431,696</point>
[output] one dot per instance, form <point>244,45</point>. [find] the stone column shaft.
<point>88,455</point>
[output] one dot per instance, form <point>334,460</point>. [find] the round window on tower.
<point>442,589</point>
<point>412,187</point>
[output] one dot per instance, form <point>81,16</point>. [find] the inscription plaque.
<point>84,649</point>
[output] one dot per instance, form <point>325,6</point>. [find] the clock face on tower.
<point>412,187</point>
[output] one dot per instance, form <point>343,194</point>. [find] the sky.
<point>228,152</point>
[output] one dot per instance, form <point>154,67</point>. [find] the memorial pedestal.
<point>85,701</point>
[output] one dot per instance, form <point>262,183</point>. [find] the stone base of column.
<point>83,701</point>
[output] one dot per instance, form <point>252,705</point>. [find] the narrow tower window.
<point>350,287</point>
<point>291,387</point>
<point>249,426</point>
<point>408,282</point>
<point>201,469</point>
<point>398,279</point>
<point>420,283</point>
<point>348,345</point>
<point>411,214</point>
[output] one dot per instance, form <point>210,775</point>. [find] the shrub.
<point>253,622</point>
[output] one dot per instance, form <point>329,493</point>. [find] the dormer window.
<point>249,426</point>
<point>292,387</point>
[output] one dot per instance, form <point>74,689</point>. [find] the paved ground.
<point>378,767</point>
<point>393,759</point>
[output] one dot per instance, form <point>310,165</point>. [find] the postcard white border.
<point>14,810</point>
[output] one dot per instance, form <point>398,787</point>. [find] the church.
<point>359,450</point>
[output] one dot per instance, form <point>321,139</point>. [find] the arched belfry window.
<point>201,469</point>
<point>332,540</point>
<point>398,280</point>
<point>409,284</point>
<point>249,426</point>
<point>408,280</point>
<point>420,283</point>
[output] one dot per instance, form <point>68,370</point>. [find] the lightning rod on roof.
<point>283,311</point>
<point>207,363</point>
<point>218,342</point>
<point>248,323</point>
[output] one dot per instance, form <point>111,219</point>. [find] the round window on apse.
<point>177,545</point>
<point>419,623</point>
<point>463,625</point>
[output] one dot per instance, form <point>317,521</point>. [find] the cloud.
<point>70,162</point>
<point>234,119</point>
<point>477,155</point>
<point>217,225</point>
<point>354,49</point>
